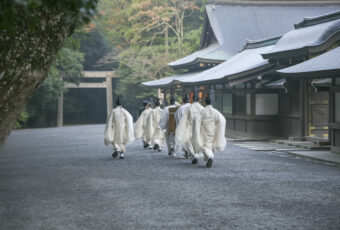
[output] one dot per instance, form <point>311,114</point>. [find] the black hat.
<point>157,103</point>
<point>185,98</point>
<point>208,99</point>
<point>196,96</point>
<point>118,101</point>
<point>172,100</point>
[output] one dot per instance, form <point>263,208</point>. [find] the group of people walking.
<point>190,127</point>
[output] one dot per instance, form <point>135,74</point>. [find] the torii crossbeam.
<point>90,74</point>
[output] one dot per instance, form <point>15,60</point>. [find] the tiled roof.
<point>311,21</point>
<point>324,65</point>
<point>236,21</point>
<point>310,36</point>
<point>213,54</point>
<point>169,81</point>
<point>244,64</point>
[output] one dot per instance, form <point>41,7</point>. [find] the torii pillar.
<point>60,120</point>
<point>109,97</point>
<point>108,75</point>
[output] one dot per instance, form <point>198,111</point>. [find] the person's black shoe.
<point>121,156</point>
<point>156,147</point>
<point>115,154</point>
<point>186,154</point>
<point>194,161</point>
<point>171,152</point>
<point>209,163</point>
<point>146,145</point>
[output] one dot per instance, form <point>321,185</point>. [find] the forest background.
<point>135,38</point>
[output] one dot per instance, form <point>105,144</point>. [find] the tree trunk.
<point>25,58</point>
<point>166,41</point>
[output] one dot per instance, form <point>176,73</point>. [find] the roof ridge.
<point>311,21</point>
<point>252,44</point>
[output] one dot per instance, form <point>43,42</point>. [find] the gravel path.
<point>65,178</point>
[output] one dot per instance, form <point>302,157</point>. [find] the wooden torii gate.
<point>108,75</point>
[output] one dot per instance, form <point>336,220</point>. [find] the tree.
<point>158,17</point>
<point>145,36</point>
<point>94,46</point>
<point>68,66</point>
<point>31,33</point>
<point>143,22</point>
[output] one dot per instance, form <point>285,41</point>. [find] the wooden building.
<point>325,66</point>
<point>308,43</point>
<point>256,100</point>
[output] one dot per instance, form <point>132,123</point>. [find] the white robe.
<point>212,132</point>
<point>155,133</point>
<point>180,111</point>
<point>119,129</point>
<point>188,132</point>
<point>163,123</point>
<point>140,125</point>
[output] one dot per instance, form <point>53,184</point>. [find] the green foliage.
<point>131,90</point>
<point>95,47</point>
<point>42,107</point>
<point>142,22</point>
<point>69,64</point>
<point>79,11</point>
<point>146,63</point>
<point>191,40</point>
<point>145,36</point>
<point>21,120</point>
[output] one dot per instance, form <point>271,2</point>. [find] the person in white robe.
<point>155,133</point>
<point>140,127</point>
<point>212,131</point>
<point>119,130</point>
<point>188,133</point>
<point>168,123</point>
<point>178,115</point>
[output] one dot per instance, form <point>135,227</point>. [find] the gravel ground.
<point>65,178</point>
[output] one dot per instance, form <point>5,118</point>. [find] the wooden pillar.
<point>172,91</point>
<point>184,91</point>
<point>335,147</point>
<point>331,112</point>
<point>164,97</point>
<point>302,107</point>
<point>109,97</point>
<point>159,93</point>
<point>252,100</point>
<point>60,121</point>
<point>233,105</point>
<point>212,90</point>
<point>307,117</point>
